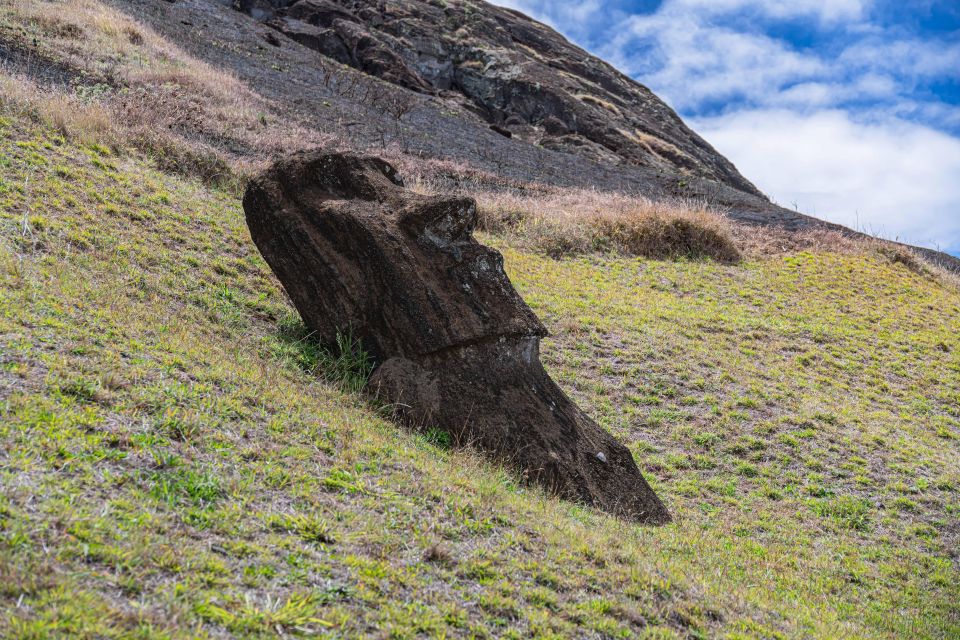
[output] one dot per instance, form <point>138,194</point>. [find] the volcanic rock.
<point>505,67</point>
<point>456,347</point>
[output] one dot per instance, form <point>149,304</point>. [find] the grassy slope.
<point>169,469</point>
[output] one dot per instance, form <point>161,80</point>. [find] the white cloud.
<point>572,14</point>
<point>892,178</point>
<point>690,63</point>
<point>819,95</point>
<point>910,57</point>
<point>823,10</point>
<point>698,53</point>
<point>575,19</point>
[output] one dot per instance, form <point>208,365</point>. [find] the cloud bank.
<point>892,179</point>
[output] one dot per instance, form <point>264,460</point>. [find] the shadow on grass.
<point>344,364</point>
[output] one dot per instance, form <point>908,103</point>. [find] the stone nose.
<point>442,220</point>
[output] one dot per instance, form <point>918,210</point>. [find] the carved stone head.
<point>401,271</point>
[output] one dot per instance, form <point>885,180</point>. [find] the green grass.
<point>179,460</point>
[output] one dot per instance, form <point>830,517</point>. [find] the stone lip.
<point>455,346</point>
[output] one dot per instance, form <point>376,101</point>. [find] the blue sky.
<point>848,110</point>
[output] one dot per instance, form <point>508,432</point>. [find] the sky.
<point>848,110</point>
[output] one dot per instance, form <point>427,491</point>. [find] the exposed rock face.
<point>514,72</point>
<point>457,348</point>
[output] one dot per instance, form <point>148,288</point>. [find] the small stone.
<point>602,458</point>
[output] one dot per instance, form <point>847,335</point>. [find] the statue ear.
<point>443,219</point>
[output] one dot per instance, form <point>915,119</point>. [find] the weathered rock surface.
<point>457,348</point>
<point>512,71</point>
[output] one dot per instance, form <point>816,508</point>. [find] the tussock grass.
<point>767,242</point>
<point>81,121</point>
<point>568,222</point>
<point>344,364</point>
<point>574,221</point>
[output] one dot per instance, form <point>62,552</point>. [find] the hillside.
<point>514,73</point>
<point>180,459</point>
<point>173,466</point>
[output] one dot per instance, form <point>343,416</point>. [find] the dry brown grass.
<point>100,122</point>
<point>765,242</point>
<point>71,117</point>
<point>574,221</point>
<point>133,88</point>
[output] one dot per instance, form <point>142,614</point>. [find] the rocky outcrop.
<point>456,347</point>
<point>514,72</point>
